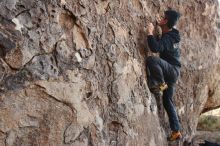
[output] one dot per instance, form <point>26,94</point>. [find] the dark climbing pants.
<point>160,71</point>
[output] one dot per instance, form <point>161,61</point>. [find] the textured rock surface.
<point>72,73</point>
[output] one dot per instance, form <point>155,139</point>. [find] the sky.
<point>219,6</point>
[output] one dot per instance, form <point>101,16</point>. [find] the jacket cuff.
<point>150,35</point>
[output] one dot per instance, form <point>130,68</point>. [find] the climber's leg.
<point>170,108</point>
<point>154,71</point>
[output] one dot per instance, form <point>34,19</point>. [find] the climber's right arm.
<point>154,45</point>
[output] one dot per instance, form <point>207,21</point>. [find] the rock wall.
<point>72,73</point>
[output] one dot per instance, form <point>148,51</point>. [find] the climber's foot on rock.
<point>157,90</point>
<point>174,136</point>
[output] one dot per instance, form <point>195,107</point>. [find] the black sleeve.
<point>156,46</point>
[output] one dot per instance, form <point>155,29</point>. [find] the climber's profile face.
<point>161,20</point>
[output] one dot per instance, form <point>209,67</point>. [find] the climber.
<point>163,71</point>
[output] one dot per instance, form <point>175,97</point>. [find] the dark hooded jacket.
<point>167,46</point>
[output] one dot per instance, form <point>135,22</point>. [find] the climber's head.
<point>169,19</point>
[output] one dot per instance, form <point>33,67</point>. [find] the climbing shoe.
<point>157,90</point>
<point>175,136</point>
<point>163,87</point>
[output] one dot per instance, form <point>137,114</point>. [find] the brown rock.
<point>72,73</point>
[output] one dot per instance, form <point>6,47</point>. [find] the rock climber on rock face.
<point>163,71</point>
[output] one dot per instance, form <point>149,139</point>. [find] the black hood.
<point>175,35</point>
<point>167,46</point>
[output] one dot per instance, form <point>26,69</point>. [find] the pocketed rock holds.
<point>72,73</point>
